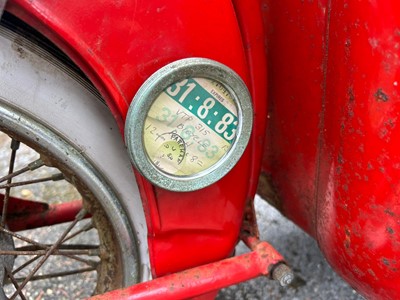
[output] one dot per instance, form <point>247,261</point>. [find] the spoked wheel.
<point>82,246</point>
<point>62,165</point>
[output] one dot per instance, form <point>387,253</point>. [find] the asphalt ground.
<point>314,278</point>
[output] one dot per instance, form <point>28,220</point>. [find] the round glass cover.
<point>190,126</point>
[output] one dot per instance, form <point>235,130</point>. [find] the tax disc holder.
<point>189,124</point>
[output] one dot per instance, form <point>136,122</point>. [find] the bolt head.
<point>283,274</point>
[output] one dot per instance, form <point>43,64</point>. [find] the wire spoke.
<point>55,177</point>
<point>14,148</point>
<point>30,167</point>
<point>23,238</point>
<point>61,247</point>
<point>89,252</point>
<point>85,228</point>
<point>31,253</point>
<point>53,275</point>
<point>50,251</point>
<point>89,262</point>
<point>24,265</point>
<point>15,283</point>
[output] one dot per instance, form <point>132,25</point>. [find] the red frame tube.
<point>55,214</point>
<point>206,278</point>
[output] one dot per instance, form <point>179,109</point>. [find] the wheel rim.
<point>98,196</point>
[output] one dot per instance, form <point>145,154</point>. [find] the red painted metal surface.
<point>254,39</point>
<point>26,214</point>
<point>119,45</point>
<point>333,143</point>
<point>55,214</point>
<point>17,206</point>
<point>296,45</point>
<point>204,278</point>
<point>358,211</point>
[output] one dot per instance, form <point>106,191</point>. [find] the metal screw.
<point>283,274</point>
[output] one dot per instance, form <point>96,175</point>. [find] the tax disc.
<point>189,124</point>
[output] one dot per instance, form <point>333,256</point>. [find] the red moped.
<point>167,117</point>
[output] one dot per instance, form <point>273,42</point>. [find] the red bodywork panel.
<point>333,139</point>
<point>119,44</point>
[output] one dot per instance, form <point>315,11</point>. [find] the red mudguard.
<point>119,44</point>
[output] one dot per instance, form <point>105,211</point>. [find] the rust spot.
<point>389,212</point>
<point>385,261</point>
<point>372,273</point>
<point>390,123</point>
<point>347,244</point>
<point>347,240</point>
<point>350,93</point>
<point>380,96</point>
<point>358,271</point>
<point>390,230</point>
<point>267,191</point>
<point>340,158</point>
<point>383,132</point>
